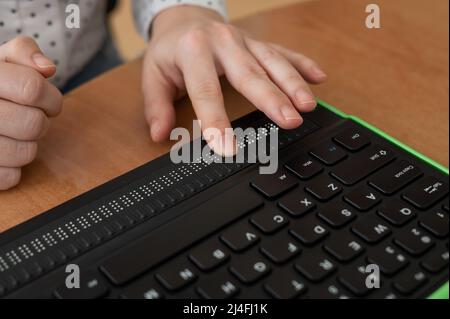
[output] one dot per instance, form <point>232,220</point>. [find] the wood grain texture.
<point>395,78</point>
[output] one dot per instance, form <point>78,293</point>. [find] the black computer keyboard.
<point>343,198</point>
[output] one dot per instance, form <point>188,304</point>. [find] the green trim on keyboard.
<point>443,292</point>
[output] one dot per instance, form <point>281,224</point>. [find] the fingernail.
<point>229,144</point>
<point>224,146</point>
<point>41,61</point>
<point>290,114</point>
<point>319,73</point>
<point>155,128</point>
<point>305,101</point>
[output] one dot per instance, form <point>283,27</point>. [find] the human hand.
<point>27,100</point>
<point>191,47</point>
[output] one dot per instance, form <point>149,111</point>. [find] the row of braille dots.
<point>13,258</point>
<point>3,265</point>
<point>25,251</point>
<point>37,245</point>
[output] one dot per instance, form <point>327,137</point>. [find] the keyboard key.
<point>250,269</point>
<point>304,167</point>
<point>354,279</point>
<point>240,237</point>
<point>363,164</point>
<point>329,291</point>
<point>297,204</point>
<point>337,214</point>
<point>176,276</point>
<point>371,229</point>
<point>389,259</point>
<point>362,198</point>
<point>436,262</point>
<point>445,206</point>
<point>145,288</point>
<point>92,286</point>
<point>323,188</point>
<point>280,249</point>
<point>414,241</point>
<point>329,153</point>
<point>352,139</point>
<point>395,177</point>
<point>285,285</point>
<point>272,186</point>
<point>397,212</point>
<point>410,281</point>
<point>269,221</point>
<point>137,258</point>
<point>219,286</point>
<point>344,247</point>
<point>209,256</point>
<point>436,223</point>
<point>315,266</point>
<point>309,231</point>
<point>426,192</point>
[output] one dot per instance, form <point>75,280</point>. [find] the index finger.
<point>203,87</point>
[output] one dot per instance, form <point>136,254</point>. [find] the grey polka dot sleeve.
<point>145,10</point>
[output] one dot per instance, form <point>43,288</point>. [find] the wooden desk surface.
<point>395,78</point>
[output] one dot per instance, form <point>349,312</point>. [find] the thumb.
<point>25,51</point>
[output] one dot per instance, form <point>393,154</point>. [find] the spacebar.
<point>175,236</point>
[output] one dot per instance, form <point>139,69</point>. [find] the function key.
<point>285,285</point>
<point>389,259</point>
<point>427,192</point>
<point>274,185</point>
<point>414,241</point>
<point>281,248</point>
<point>209,256</point>
<point>329,153</point>
<point>395,177</point>
<point>323,188</point>
<point>344,247</point>
<point>410,281</point>
<point>371,229</point>
<point>315,266</point>
<point>176,276</point>
<point>304,167</point>
<point>250,269</point>
<point>436,262</point>
<point>363,198</point>
<point>352,139</point>
<point>240,237</point>
<point>397,212</point>
<point>309,231</point>
<point>269,221</point>
<point>337,214</point>
<point>297,204</point>
<point>363,164</point>
<point>219,286</point>
<point>436,223</point>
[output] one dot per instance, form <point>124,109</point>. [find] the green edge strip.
<point>443,292</point>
